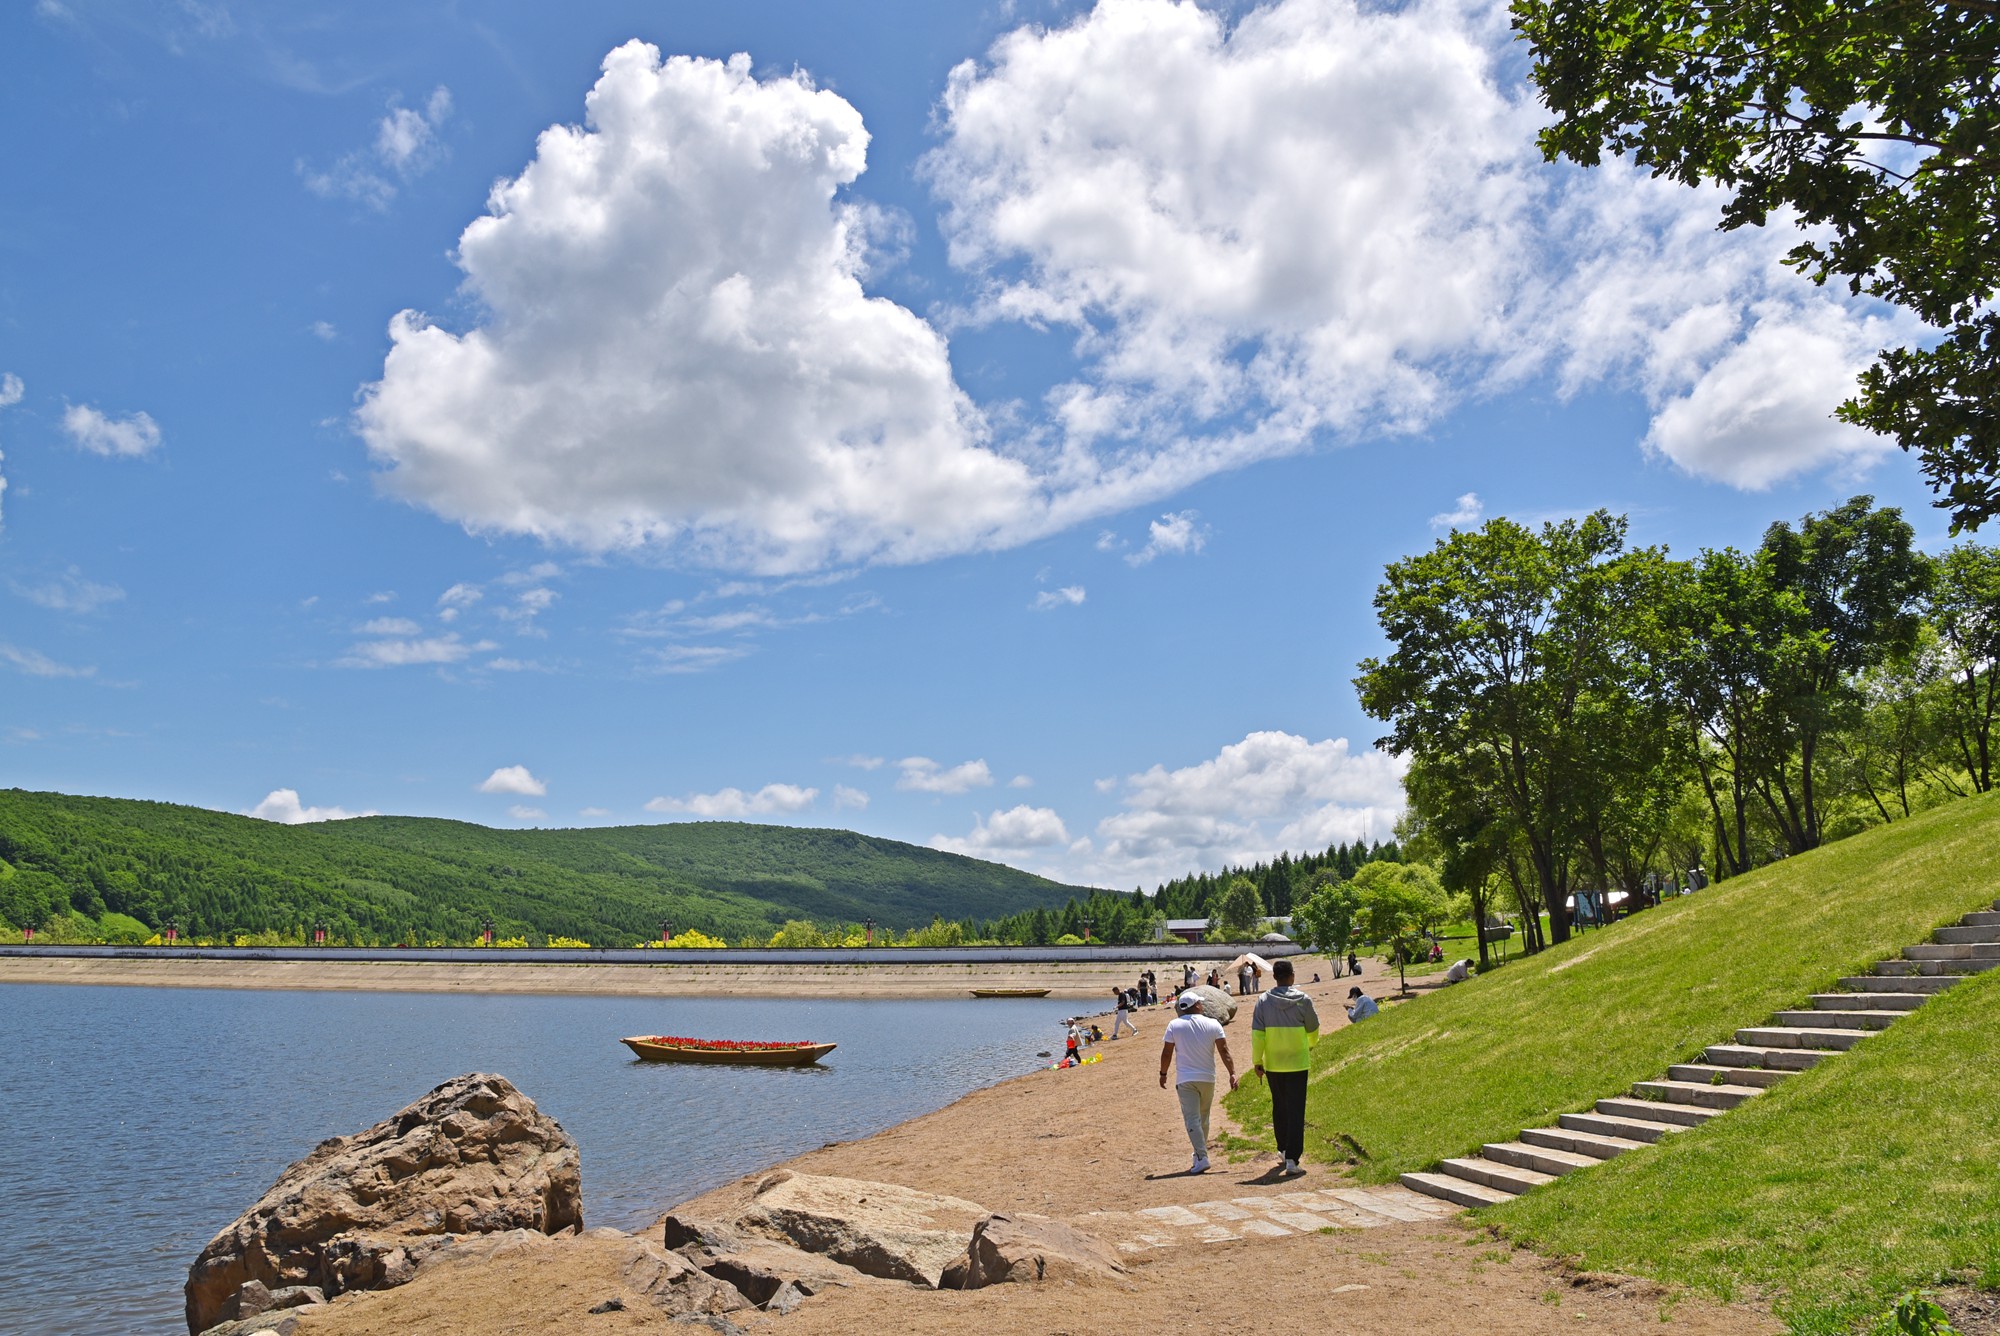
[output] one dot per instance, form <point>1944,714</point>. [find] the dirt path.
<point>1234,1250</point>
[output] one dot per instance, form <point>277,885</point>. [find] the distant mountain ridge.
<point>384,879</point>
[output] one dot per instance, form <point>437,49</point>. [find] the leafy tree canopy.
<point>1876,124</point>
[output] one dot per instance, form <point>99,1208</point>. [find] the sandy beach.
<point>1080,980</point>
<point>1096,1146</point>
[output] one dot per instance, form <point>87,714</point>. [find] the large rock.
<point>1007,1247</point>
<point>473,1156</point>
<point>1215,1003</point>
<point>879,1229</point>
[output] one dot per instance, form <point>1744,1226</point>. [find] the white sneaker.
<point>1200,1166</point>
<point>1292,1169</point>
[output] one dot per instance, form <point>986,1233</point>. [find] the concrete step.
<point>1959,951</point>
<point>1700,1094</point>
<point>1982,935</point>
<point>1459,1190</point>
<point>1700,1073</point>
<point>1869,1000</point>
<point>1594,1144</point>
<point>1771,1059</point>
<point>1984,918</point>
<point>1493,1174</point>
<point>1612,1125</point>
<point>1899,983</point>
<point>1658,1111</point>
<point>1933,969</point>
<point>1838,1020</point>
<point>1541,1159</point>
<point>1799,1036</point>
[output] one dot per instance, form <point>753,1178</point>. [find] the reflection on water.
<point>140,1120</point>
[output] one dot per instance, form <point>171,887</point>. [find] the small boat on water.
<point>1010,992</point>
<point>676,1048</point>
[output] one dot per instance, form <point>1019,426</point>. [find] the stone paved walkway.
<point>1274,1217</point>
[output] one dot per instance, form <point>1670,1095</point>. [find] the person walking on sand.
<point>1193,1042</point>
<point>1073,1053</point>
<point>1122,1020</point>
<point>1282,1031</point>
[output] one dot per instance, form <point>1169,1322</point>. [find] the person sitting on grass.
<point>1360,1006</point>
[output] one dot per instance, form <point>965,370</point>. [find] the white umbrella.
<point>1252,959</point>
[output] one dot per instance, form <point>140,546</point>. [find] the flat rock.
<point>1026,1248</point>
<point>760,1268</point>
<point>473,1156</point>
<point>879,1229</point>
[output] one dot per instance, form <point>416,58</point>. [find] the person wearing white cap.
<point>1193,1041</point>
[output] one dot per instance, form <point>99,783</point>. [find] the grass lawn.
<point>1870,1175</point>
<point>1439,1076</point>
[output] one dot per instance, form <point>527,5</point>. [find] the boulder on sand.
<point>1008,1247</point>
<point>1215,1004</point>
<point>473,1156</point>
<point>879,1229</point>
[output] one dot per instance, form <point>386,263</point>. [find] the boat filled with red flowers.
<point>756,1053</point>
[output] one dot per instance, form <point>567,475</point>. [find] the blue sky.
<point>976,426</point>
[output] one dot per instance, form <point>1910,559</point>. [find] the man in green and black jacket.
<point>1283,1030</point>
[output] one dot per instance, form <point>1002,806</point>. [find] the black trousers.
<point>1288,1112</point>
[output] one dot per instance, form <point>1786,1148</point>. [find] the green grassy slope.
<point>1844,1187</point>
<point>390,878</point>
<point>1439,1076</point>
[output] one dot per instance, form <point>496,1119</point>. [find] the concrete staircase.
<point>1694,1092</point>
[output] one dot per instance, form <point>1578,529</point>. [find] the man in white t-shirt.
<point>1193,1042</point>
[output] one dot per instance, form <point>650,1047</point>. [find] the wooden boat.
<point>675,1048</point>
<point>1010,992</point>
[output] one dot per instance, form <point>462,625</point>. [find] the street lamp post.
<point>1086,930</point>
<point>486,929</point>
<point>666,931</point>
<point>870,925</point>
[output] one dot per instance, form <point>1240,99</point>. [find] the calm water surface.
<point>138,1121</point>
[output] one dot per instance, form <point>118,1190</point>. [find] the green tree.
<point>1507,644</point>
<point>1873,125</point>
<point>1398,903</point>
<point>798,933</point>
<point>1324,920</point>
<point>1240,910</point>
<point>1965,610</point>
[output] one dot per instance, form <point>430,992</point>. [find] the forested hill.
<point>391,879</point>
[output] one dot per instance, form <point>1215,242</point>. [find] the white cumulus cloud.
<point>1322,220</point>
<point>131,436</point>
<point>843,796</point>
<point>406,145</point>
<point>677,344</point>
<point>523,812</point>
<point>404,653</point>
<point>284,807</point>
<point>1271,792</point>
<point>923,775</point>
<point>1467,511</point>
<point>1174,534</point>
<point>732,803</point>
<point>1069,596</point>
<point>513,779</point>
<point>1010,833</point>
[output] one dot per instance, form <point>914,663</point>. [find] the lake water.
<point>139,1121</point>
